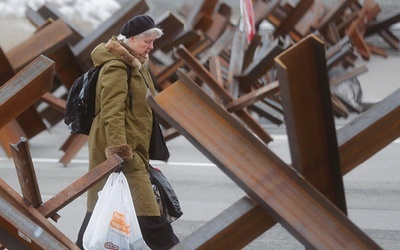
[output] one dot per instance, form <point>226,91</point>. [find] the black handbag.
<point>165,195</point>
<point>158,149</point>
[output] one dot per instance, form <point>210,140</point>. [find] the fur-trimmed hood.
<point>117,49</point>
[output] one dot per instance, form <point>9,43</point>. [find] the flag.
<point>247,22</point>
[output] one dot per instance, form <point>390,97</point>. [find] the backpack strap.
<point>129,73</point>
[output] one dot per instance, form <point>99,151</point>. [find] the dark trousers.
<point>157,232</point>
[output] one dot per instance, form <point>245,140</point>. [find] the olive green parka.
<point>123,125</point>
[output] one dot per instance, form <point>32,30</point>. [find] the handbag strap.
<point>159,151</point>
<point>147,85</point>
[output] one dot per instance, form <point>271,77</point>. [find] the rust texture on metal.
<point>368,133</point>
<point>28,85</point>
<point>26,173</point>
<point>57,35</point>
<point>225,96</point>
<point>216,134</point>
<point>105,30</point>
<point>350,137</point>
<point>78,187</point>
<point>305,95</point>
<point>26,225</point>
<point>243,221</point>
<point>29,214</point>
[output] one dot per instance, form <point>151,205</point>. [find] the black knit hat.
<point>137,25</point>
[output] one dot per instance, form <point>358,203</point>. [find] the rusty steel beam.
<point>34,17</point>
<point>390,38</point>
<point>219,23</point>
<point>293,16</point>
<point>13,238</point>
<point>72,146</point>
<point>373,130</point>
<point>334,13</point>
<point>360,44</point>
<point>305,93</point>
<point>55,102</point>
<point>26,172</point>
<point>253,96</point>
<point>30,210</point>
<point>25,88</point>
<point>236,62</point>
<point>269,108</point>
<point>67,66</point>
<point>383,23</point>
<point>199,9</point>
<point>377,122</point>
<point>220,91</point>
<point>6,70</point>
<point>43,42</point>
<point>188,38</point>
<point>105,30</point>
<point>252,51</point>
<point>25,227</point>
<point>350,73</point>
<point>78,187</point>
<point>218,46</point>
<point>262,10</point>
<point>27,175</point>
<point>31,121</point>
<point>10,132</point>
<point>203,73</point>
<point>369,132</point>
<point>260,67</point>
<point>50,11</point>
<point>243,221</point>
<point>171,27</point>
<point>291,201</point>
<point>171,69</point>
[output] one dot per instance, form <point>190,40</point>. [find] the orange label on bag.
<point>118,222</point>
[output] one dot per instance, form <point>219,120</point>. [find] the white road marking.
<point>85,161</point>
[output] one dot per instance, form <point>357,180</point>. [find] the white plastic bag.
<point>113,224</point>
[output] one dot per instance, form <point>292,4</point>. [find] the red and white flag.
<point>247,22</point>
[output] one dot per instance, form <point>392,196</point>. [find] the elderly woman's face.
<point>143,44</point>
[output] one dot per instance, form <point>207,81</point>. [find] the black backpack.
<point>80,107</point>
